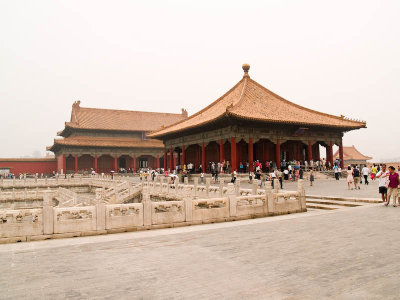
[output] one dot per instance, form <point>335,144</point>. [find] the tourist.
<point>394,181</point>
<point>272,176</point>
<point>365,172</point>
<point>383,176</point>
<point>350,179</point>
<point>233,176</point>
<point>356,177</point>
<point>279,175</point>
<point>250,177</point>
<point>336,170</point>
<point>374,171</point>
<point>286,174</point>
<point>311,177</point>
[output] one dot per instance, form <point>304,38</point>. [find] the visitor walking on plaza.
<point>383,177</point>
<point>365,172</point>
<point>350,179</point>
<point>311,177</point>
<point>336,170</point>
<point>394,181</point>
<point>356,177</point>
<point>374,171</point>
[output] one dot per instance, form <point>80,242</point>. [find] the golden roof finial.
<point>246,68</point>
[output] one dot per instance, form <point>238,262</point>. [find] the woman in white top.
<point>350,178</point>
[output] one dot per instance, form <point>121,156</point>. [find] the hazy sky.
<point>339,57</point>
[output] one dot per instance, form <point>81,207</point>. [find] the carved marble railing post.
<point>187,198</point>
<point>48,212</point>
<point>269,198</point>
<point>302,192</point>
<point>186,180</point>
<point>254,187</point>
<point>195,185</point>
<point>100,210</point>
<point>277,185</point>
<point>146,208</point>
<point>237,187</point>
<point>161,183</point>
<point>221,187</point>
<point>232,200</point>
<point>176,183</point>
<point>208,183</point>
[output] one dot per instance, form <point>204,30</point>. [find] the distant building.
<point>44,165</point>
<point>108,139</point>
<point>352,156</point>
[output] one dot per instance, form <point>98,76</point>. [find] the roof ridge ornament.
<point>246,68</point>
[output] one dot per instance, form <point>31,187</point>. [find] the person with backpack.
<point>356,176</point>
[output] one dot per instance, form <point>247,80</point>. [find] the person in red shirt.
<point>394,181</point>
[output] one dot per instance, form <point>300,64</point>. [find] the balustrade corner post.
<point>195,185</point>
<point>254,187</point>
<point>186,180</point>
<point>161,183</point>
<point>208,183</point>
<point>269,198</point>
<point>237,187</point>
<point>232,200</point>
<point>100,210</point>
<point>187,198</point>
<point>221,187</point>
<point>302,193</point>
<point>147,208</point>
<point>48,212</point>
<point>277,185</point>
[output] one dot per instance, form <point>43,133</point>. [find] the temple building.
<point>105,140</point>
<point>249,123</point>
<point>352,156</point>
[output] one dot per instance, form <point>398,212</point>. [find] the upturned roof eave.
<point>344,127</point>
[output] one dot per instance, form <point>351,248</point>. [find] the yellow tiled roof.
<point>121,120</point>
<point>251,101</point>
<point>351,153</point>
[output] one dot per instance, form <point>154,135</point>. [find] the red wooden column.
<point>95,163</point>
<point>203,157</point>
<point>341,155</point>
<point>310,151</point>
<point>251,159</point>
<point>179,156</point>
<point>115,163</point>
<point>171,159</point>
<point>233,153</point>
<point>278,153</point>
<point>76,164</point>
<point>158,162</point>
<point>63,164</point>
<point>221,150</point>
<point>165,159</point>
<point>134,163</point>
<point>183,155</point>
<point>331,153</point>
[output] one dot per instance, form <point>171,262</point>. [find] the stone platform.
<point>341,254</point>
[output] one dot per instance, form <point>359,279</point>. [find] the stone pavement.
<point>342,254</point>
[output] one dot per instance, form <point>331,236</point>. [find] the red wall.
<point>17,166</point>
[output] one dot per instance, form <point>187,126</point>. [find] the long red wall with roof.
<point>31,166</point>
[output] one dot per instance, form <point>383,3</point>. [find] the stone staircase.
<point>336,203</point>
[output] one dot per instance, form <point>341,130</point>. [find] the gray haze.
<point>338,57</point>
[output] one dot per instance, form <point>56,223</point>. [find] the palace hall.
<point>106,139</point>
<point>250,123</point>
